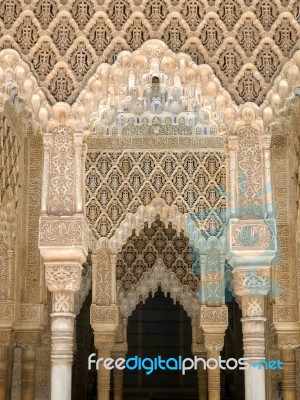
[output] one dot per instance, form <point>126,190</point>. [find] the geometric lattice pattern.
<point>117,183</point>
<point>244,41</point>
<point>141,252</point>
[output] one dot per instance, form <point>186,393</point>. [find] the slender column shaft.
<point>214,378</point>
<point>4,365</point>
<point>62,355</point>
<point>288,356</point>
<point>118,384</point>
<point>254,349</point>
<point>202,382</point>
<point>28,373</point>
<point>103,382</point>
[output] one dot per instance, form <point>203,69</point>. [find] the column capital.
<point>27,338</point>
<point>104,341</point>
<point>288,340</point>
<point>63,276</point>
<point>104,318</point>
<point>251,281</point>
<point>213,317</point>
<point>7,337</point>
<point>214,321</point>
<point>214,342</point>
<point>63,238</point>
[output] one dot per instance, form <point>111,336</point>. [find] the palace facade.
<point>149,196</point>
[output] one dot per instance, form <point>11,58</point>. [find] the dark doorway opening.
<point>232,381</point>
<point>159,328</point>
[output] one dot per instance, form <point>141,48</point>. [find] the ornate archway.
<point>64,237</point>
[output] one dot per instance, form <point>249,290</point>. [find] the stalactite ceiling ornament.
<point>246,42</point>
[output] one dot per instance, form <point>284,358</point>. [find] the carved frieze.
<point>251,235</point>
<point>63,232</point>
<point>63,277</point>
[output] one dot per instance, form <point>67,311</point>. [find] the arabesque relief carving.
<point>78,35</point>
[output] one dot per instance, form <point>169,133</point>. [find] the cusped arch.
<point>15,73</point>
<point>149,283</point>
<point>158,207</point>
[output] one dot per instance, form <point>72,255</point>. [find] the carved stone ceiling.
<point>246,42</point>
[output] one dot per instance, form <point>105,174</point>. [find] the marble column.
<point>214,346</point>
<point>253,246</point>
<point>119,350</point>
<point>288,340</point>
<point>7,340</point>
<point>250,288</point>
<point>202,381</point>
<point>28,368</point>
<point>104,342</point>
<point>253,326</point>
<point>214,322</point>
<point>63,281</point>
<point>4,367</point>
<point>118,384</point>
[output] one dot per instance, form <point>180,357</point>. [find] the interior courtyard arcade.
<point>149,198</point>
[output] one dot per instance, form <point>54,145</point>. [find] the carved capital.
<point>214,342</point>
<point>7,337</point>
<point>214,321</point>
<point>214,316</point>
<point>119,350</point>
<point>63,277</point>
<point>26,338</point>
<point>254,282</point>
<point>107,315</point>
<point>104,341</point>
<point>288,340</point>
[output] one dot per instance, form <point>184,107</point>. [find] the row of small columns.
<point>28,367</point>
<point>208,380</point>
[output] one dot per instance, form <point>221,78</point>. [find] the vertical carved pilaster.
<point>232,147</point>
<point>78,173</point>
<point>48,143</point>
<point>267,168</point>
